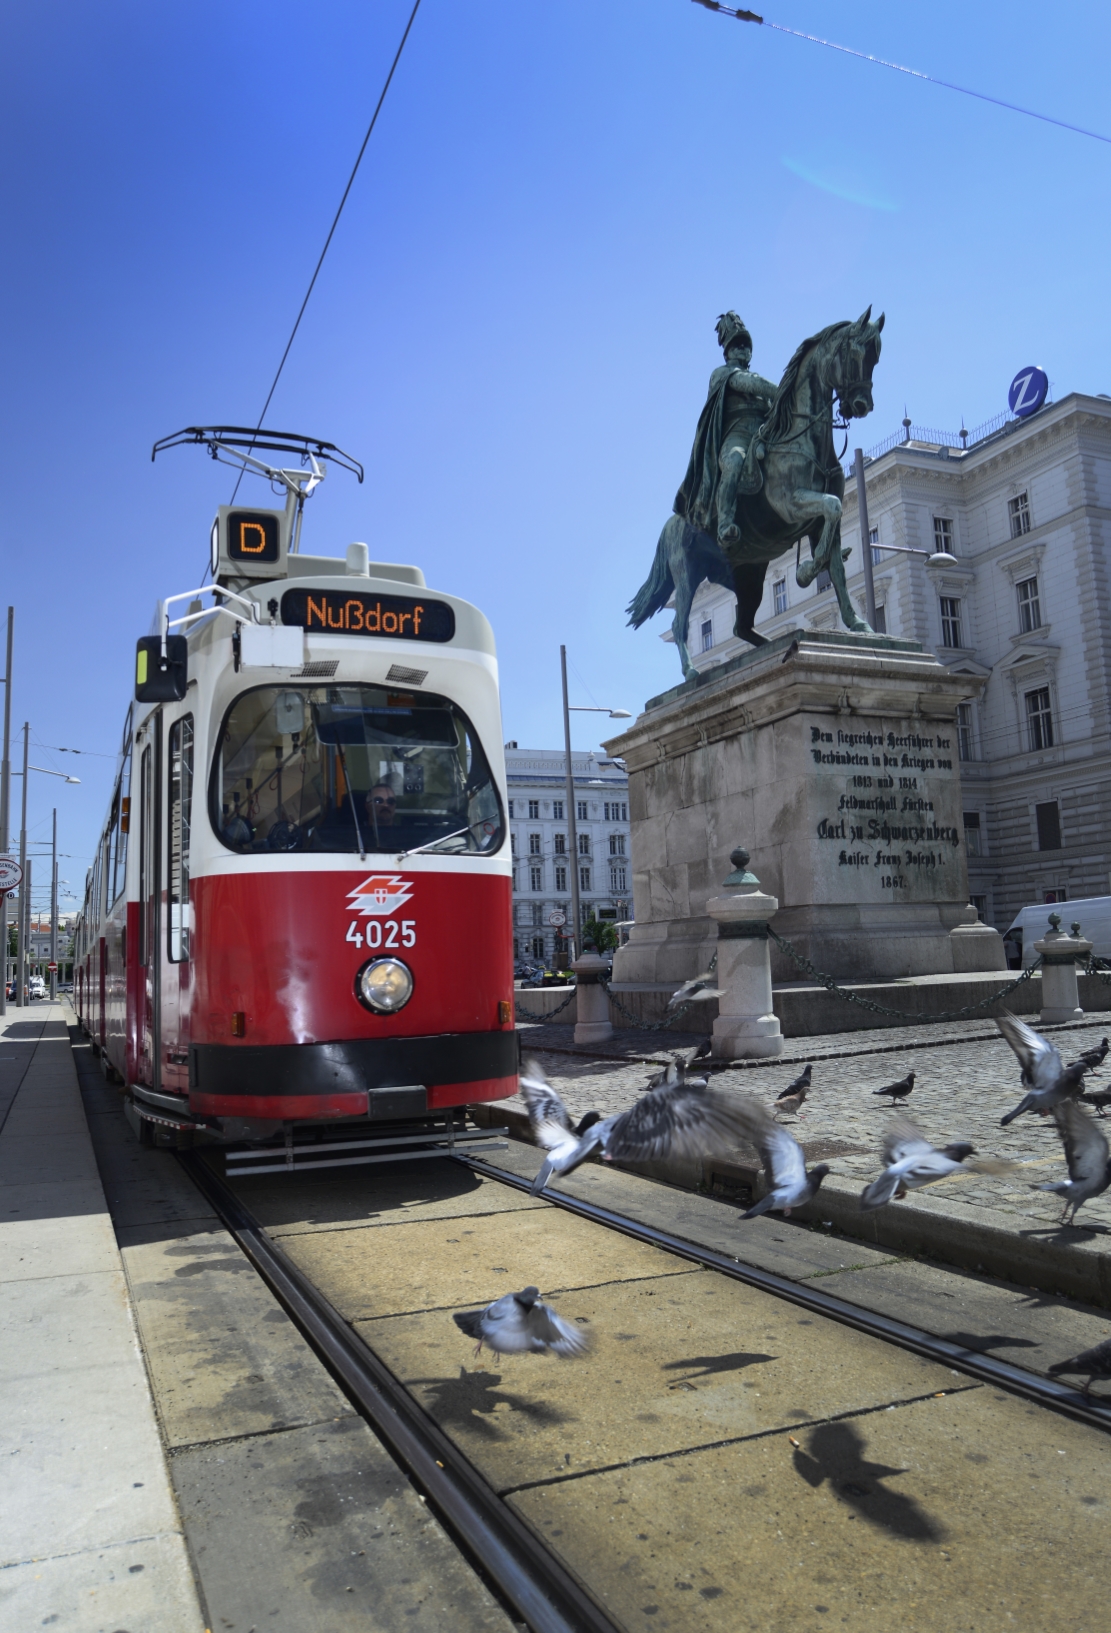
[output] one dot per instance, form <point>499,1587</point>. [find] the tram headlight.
<point>384,985</point>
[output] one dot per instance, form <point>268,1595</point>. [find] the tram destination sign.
<point>396,617</point>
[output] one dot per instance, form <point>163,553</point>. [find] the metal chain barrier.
<point>1098,967</point>
<point>668,1021</point>
<point>530,1015</point>
<point>964,1014</point>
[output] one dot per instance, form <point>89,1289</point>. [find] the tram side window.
<point>180,817</point>
<point>120,810</point>
<point>352,768</point>
<point>146,854</point>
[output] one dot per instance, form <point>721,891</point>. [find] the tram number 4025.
<point>393,933</point>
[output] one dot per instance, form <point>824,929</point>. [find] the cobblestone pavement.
<point>961,1090</point>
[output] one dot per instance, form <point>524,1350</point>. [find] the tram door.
<point>150,863</point>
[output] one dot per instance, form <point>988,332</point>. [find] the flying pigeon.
<point>1044,1077</point>
<point>674,1072</point>
<point>1098,1098</point>
<point>910,1162</point>
<point>521,1324</point>
<point>900,1090</point>
<point>547,1115</point>
<point>1086,1153</point>
<point>789,1184</point>
<point>794,1094</point>
<point>1093,1058</point>
<point>695,991</point>
<point>1096,1362</point>
<point>683,1118</point>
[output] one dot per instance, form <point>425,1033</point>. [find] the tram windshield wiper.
<point>432,843</point>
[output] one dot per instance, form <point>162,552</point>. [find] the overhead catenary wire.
<point>743,16</point>
<point>332,228</point>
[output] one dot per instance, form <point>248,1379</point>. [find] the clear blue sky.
<point>514,327</point>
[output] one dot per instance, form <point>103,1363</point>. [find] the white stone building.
<point>1025,506</point>
<point>541,845</point>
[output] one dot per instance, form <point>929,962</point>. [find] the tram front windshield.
<point>352,768</point>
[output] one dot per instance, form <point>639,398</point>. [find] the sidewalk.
<point>90,1539</point>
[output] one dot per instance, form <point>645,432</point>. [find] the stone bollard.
<point>746,1026</point>
<point>1060,952</point>
<point>592,1005</point>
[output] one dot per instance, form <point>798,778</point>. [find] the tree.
<point>603,935</point>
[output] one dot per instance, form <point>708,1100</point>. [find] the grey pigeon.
<point>910,1162</point>
<point>703,1052</point>
<point>1044,1076</point>
<point>674,1072</point>
<point>794,1094</point>
<point>1097,1098</point>
<point>899,1090</point>
<point>695,991</point>
<point>1094,1058</point>
<point>789,1184</point>
<point>1086,1154</point>
<point>1096,1362</point>
<point>683,1118</point>
<point>521,1324</point>
<point>547,1115</point>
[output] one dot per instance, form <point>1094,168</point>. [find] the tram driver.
<point>381,805</point>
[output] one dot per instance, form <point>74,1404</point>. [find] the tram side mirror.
<point>161,679</point>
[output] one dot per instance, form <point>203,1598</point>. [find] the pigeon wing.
<point>1085,1147</point>
<point>904,1139</point>
<point>779,1152</point>
<point>1040,1060</point>
<point>680,1119</point>
<point>556,1334</point>
<point>547,1114</point>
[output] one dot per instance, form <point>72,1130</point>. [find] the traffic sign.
<point>11,874</point>
<point>1028,392</point>
<point>52,968</point>
<point>557,919</point>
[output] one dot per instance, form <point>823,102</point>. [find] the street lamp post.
<point>572,829</point>
<point>24,885</point>
<point>5,804</point>
<point>54,913</point>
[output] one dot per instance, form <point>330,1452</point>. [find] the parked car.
<point>1092,913</point>
<point>528,973</point>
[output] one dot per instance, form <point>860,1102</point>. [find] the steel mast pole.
<point>54,915</point>
<point>865,537</point>
<point>572,831</point>
<point>24,885</point>
<point>5,804</point>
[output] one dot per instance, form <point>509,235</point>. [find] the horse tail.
<point>655,592</point>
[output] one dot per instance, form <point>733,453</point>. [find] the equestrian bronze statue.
<point>763,475</point>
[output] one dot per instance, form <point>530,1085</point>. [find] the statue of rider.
<point>736,406</point>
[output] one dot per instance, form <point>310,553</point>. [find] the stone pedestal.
<point>592,1005</point>
<point>1060,955</point>
<point>745,1027</point>
<point>835,757</point>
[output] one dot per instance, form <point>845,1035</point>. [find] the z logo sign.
<point>377,899</point>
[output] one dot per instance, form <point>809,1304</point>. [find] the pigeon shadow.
<point>836,1454</point>
<point>711,1364</point>
<point>473,1397</point>
<point>980,1341</point>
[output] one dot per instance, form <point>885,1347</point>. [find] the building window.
<point>514,878</point>
<point>874,545</point>
<point>707,634</point>
<point>943,535</point>
<point>583,811</point>
<point>584,844</point>
<point>557,810</point>
<point>516,948</point>
<point>617,812</point>
<point>1051,896</point>
<point>880,625</point>
<point>617,880</point>
<point>560,844</point>
<point>950,621</point>
<point>1049,825</point>
<point>779,595</point>
<point>980,903</point>
<point>561,878</point>
<point>584,878</point>
<point>534,810</point>
<point>1018,509</point>
<point>1039,720</point>
<point>972,833</point>
<point>536,878</point>
<point>964,730</point>
<point>822,582</point>
<point>534,844</point>
<point>513,844</point>
<point>538,947</point>
<point>511,807</point>
<point>617,844</point>
<point>1029,605</point>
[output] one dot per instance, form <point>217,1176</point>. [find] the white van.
<point>1092,913</point>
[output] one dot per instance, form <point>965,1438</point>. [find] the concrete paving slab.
<point>317,1531</point>
<point>145,1585</point>
<point>969,1512</point>
<point>30,1160</point>
<point>463,1263</point>
<point>224,1358</point>
<point>63,1121</point>
<point>383,1196</point>
<point>44,1234</point>
<point>678,1362</point>
<point>86,1468</point>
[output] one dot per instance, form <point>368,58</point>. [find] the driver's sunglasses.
<point>378,800</point>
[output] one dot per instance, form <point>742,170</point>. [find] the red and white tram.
<point>300,907</point>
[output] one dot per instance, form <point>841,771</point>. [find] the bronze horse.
<point>798,487</point>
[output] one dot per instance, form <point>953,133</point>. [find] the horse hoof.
<point>729,535</point>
